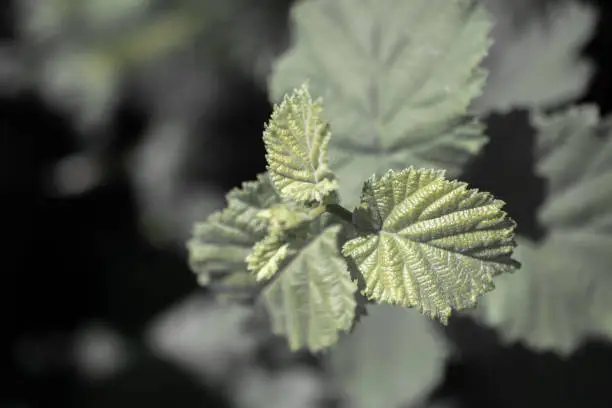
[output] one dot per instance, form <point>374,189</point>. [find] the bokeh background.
<point>124,121</point>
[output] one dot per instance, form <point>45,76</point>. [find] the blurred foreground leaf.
<point>392,359</point>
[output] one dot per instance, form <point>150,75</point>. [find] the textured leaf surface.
<point>296,141</point>
<point>438,244</point>
<point>396,76</point>
<point>392,359</point>
<point>285,215</point>
<point>286,221</point>
<point>267,255</point>
<point>219,245</point>
<point>312,297</point>
<point>535,60</point>
<point>563,294</point>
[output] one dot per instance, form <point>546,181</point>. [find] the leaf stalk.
<point>340,211</point>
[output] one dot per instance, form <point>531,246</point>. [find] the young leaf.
<point>312,298</point>
<point>392,359</point>
<point>267,255</point>
<point>563,294</point>
<point>437,244</point>
<point>284,225</point>
<point>219,245</point>
<point>296,141</point>
<point>284,216</point>
<point>397,77</point>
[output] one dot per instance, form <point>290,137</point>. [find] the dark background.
<point>71,259</point>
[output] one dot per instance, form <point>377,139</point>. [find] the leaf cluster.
<point>417,239</point>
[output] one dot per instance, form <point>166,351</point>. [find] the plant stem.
<point>340,211</point>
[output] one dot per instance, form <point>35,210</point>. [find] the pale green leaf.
<point>535,60</point>
<point>285,215</point>
<point>267,255</point>
<point>392,359</point>
<point>312,297</point>
<point>397,77</point>
<point>563,295</point>
<point>218,246</point>
<point>437,244</point>
<point>559,298</point>
<point>286,221</point>
<point>575,155</point>
<point>296,139</point>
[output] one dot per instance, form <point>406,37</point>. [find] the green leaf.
<point>392,359</point>
<point>397,77</point>
<point>267,255</point>
<point>559,298</point>
<point>437,246</point>
<point>296,141</point>
<point>575,155</point>
<point>563,295</point>
<point>285,223</point>
<point>218,246</point>
<point>312,298</point>
<point>285,215</point>
<point>536,62</point>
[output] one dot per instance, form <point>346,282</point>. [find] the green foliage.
<point>397,77</point>
<point>535,61</point>
<point>296,140</point>
<point>266,256</point>
<point>420,240</point>
<point>436,245</point>
<point>574,151</point>
<point>313,298</point>
<point>219,245</point>
<point>392,357</point>
<point>562,296</point>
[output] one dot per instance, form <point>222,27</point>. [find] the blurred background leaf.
<point>535,59</point>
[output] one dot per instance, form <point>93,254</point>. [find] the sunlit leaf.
<point>436,244</point>
<point>296,139</point>
<point>267,255</point>
<point>312,297</point>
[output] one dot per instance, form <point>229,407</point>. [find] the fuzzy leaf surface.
<point>436,245</point>
<point>397,77</point>
<point>312,297</point>
<point>218,246</point>
<point>296,139</point>
<point>563,295</point>
<point>267,255</point>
